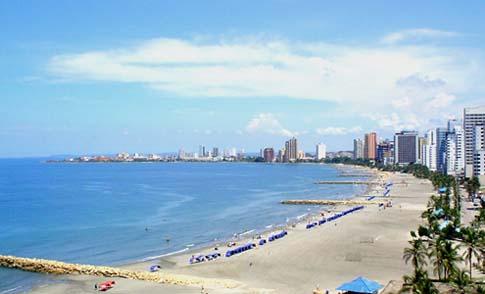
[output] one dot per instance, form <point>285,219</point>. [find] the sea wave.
<point>164,255</point>
<point>11,290</point>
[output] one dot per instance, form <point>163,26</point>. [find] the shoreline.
<point>167,258</point>
<point>174,258</point>
<point>374,174</point>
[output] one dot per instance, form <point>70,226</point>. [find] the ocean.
<point>117,213</point>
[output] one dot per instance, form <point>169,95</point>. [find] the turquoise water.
<point>123,212</point>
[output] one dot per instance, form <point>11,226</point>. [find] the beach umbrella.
<point>360,285</point>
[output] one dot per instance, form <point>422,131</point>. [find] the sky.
<point>101,77</point>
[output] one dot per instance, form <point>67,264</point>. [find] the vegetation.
<point>443,244</point>
<point>472,186</point>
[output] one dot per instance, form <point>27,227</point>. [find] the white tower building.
<point>321,151</point>
<point>431,149</point>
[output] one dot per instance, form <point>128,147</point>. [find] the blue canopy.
<point>438,212</point>
<point>360,285</point>
<point>444,224</point>
<point>442,190</point>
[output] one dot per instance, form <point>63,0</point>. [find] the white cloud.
<point>419,81</point>
<point>338,130</point>
<point>396,121</point>
<point>441,100</point>
<point>330,72</point>
<point>266,123</point>
<point>363,80</point>
<point>416,35</point>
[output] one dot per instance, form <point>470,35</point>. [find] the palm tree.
<point>436,253</point>
<point>416,254</point>
<point>418,283</point>
<point>450,259</point>
<point>472,186</point>
<point>461,282</point>
<point>472,241</point>
<point>480,290</point>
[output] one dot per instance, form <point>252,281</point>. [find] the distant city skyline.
<point>98,77</point>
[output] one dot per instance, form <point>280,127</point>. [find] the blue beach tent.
<point>360,285</point>
<point>442,190</point>
<point>154,268</point>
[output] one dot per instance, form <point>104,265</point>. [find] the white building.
<point>472,116</point>
<point>479,138</point>
<point>479,153</point>
<point>358,148</point>
<point>455,149</point>
<point>431,150</point>
<point>321,151</point>
<point>181,154</point>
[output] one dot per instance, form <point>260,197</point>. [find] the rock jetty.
<point>62,268</point>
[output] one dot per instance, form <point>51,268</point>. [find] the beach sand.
<point>369,242</point>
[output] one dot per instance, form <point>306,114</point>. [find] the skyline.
<point>97,78</point>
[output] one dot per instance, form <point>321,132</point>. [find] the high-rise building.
<point>479,153</point>
<point>421,144</point>
<point>281,155</point>
<point>479,165</point>
<point>215,152</point>
<point>358,149</point>
<point>472,116</point>
<point>385,152</point>
<point>181,154</point>
<point>202,151</point>
<point>291,150</point>
<point>441,149</point>
<point>300,154</point>
<point>268,154</point>
<point>406,147</point>
<point>370,146</point>
<point>455,149</point>
<point>479,137</point>
<point>321,151</point>
<point>430,150</point>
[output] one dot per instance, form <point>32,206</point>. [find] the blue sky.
<point>107,76</point>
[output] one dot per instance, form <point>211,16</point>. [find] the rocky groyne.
<point>63,268</point>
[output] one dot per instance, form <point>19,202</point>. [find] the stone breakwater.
<point>63,268</point>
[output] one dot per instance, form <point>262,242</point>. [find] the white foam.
<point>302,216</point>
<point>10,290</point>
<point>164,255</point>
<point>247,232</point>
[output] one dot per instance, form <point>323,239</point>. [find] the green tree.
<point>472,241</point>
<point>418,282</point>
<point>436,255</point>
<point>461,282</point>
<point>472,186</point>
<point>451,258</point>
<point>417,254</point>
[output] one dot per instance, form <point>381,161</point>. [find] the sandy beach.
<point>368,242</point>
